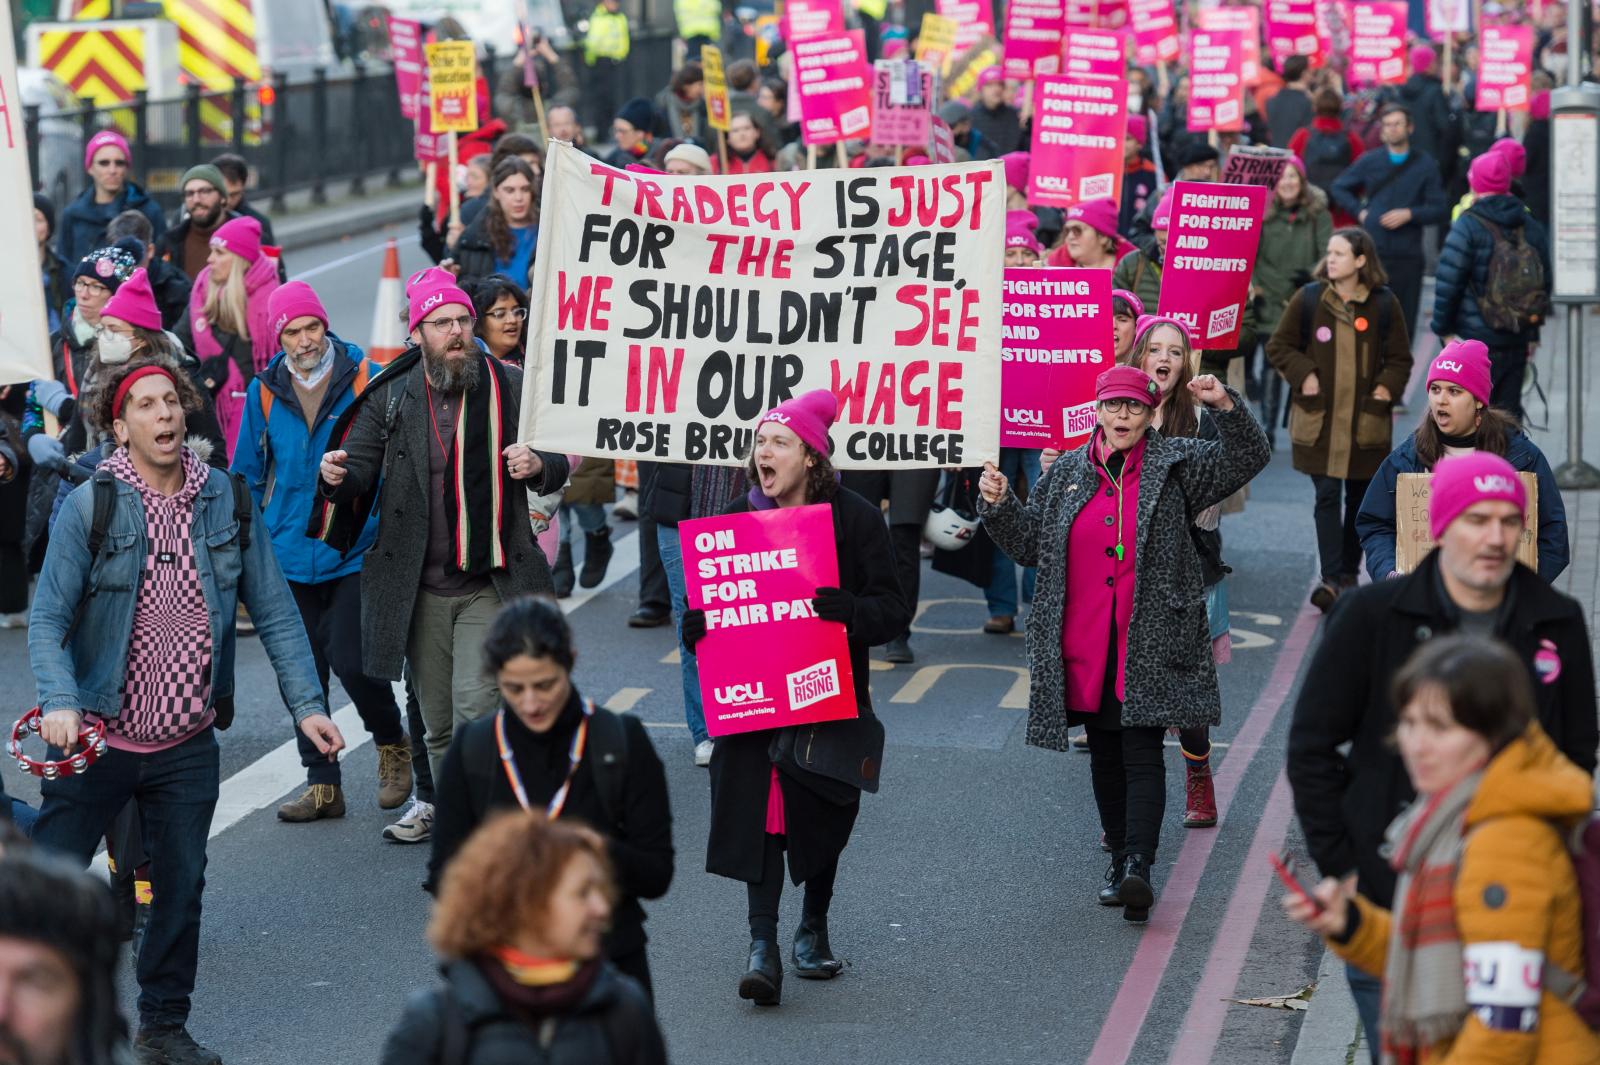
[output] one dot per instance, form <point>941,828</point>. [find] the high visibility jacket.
<point>607,37</point>
<point>873,8</point>
<point>698,18</point>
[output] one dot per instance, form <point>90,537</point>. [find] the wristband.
<point>91,745</point>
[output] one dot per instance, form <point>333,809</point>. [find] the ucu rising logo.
<point>1017,416</point>
<point>1448,364</point>
<point>739,694</point>
<point>1494,482</point>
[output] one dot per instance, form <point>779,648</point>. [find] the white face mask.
<point>114,348</point>
<point>1135,104</point>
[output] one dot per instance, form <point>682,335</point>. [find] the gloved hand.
<point>835,604</point>
<point>46,451</point>
<point>694,628</point>
<point>51,394</point>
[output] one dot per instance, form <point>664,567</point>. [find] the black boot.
<point>1111,894</point>
<point>813,958</point>
<point>763,982</point>
<point>1137,893</point>
<point>597,551</point>
<point>561,574</point>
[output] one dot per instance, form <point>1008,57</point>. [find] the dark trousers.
<point>14,577</point>
<point>1337,544</point>
<point>1507,369</point>
<point>332,615</point>
<point>906,540</point>
<point>1405,281</point>
<point>421,770</point>
<point>1368,994</point>
<point>637,965</point>
<point>765,894</point>
<point>653,591</point>
<point>1130,786</point>
<point>177,793</point>
<point>604,77</point>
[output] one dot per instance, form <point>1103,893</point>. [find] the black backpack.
<point>607,756</point>
<point>1515,295</point>
<point>1327,155</point>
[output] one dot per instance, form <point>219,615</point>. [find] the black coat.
<point>740,769</point>
<point>474,253</point>
<point>613,1025</point>
<point>668,495</point>
<point>1346,801</point>
<point>170,286</point>
<point>640,844</point>
<point>1423,95</point>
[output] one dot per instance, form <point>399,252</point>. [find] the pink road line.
<point>1197,1039</point>
<point>1129,1009</point>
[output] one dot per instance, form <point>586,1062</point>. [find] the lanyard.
<point>508,761</point>
<point>433,420</point>
<point>1116,482</point>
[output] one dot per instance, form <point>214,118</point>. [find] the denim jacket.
<point>88,674</point>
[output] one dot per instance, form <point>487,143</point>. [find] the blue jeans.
<point>1368,993</point>
<point>1017,464</point>
<point>590,517</point>
<point>672,561</point>
<point>177,793</point>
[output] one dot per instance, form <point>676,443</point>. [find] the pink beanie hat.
<point>988,74</point>
<point>1490,174</point>
<point>1099,215</point>
<point>135,303</point>
<point>242,236</point>
<point>1422,57</point>
<point>1019,231</point>
<point>1138,128</point>
<point>433,294</point>
<point>1163,213</point>
<point>106,138</point>
<point>1127,382</point>
<point>1516,155</point>
<point>1135,304</point>
<point>291,301</point>
<point>1016,164</point>
<point>1463,480</point>
<point>1464,363</point>
<point>1147,322</point>
<point>431,277</point>
<point>808,416</point>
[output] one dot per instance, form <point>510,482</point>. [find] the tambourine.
<point>91,745</point>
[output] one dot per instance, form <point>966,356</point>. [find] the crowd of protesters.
<point>234,443</point>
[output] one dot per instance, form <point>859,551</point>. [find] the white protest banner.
<point>24,328</point>
<point>672,311</point>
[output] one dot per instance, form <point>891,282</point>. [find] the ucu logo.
<point>1494,482</point>
<point>433,301</point>
<point>735,694</point>
<point>1024,417</point>
<point>1447,364</point>
<point>774,416</point>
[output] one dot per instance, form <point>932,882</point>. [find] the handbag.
<point>974,562</point>
<point>837,760</point>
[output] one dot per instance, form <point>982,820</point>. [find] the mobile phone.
<point>1284,866</point>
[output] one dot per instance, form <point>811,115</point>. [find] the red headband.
<point>127,385</point>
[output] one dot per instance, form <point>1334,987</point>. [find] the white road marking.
<point>626,699</point>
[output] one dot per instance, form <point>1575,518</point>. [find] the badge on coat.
<point>1547,662</point>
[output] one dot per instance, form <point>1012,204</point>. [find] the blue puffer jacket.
<point>1464,270</point>
<point>1375,523</point>
<point>280,460</point>
<point>82,225</point>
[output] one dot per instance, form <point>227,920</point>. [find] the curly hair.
<point>822,480</point>
<point>99,396</point>
<point>496,225</point>
<point>500,882</point>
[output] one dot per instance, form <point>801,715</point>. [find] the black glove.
<point>835,604</point>
<point>694,628</point>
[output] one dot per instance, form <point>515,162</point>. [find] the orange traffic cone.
<point>388,333</point>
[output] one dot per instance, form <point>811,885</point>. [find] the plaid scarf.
<point>476,481</point>
<point>1424,996</point>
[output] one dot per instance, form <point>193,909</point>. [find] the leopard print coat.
<point>1170,678</point>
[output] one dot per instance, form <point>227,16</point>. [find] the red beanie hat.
<point>808,416</point>
<point>291,301</point>
<point>1463,480</point>
<point>135,303</point>
<point>1464,363</point>
<point>242,236</point>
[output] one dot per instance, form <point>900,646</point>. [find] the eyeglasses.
<point>449,325</point>
<point>83,284</point>
<point>516,314</point>
<point>1117,406</point>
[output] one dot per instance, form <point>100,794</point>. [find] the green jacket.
<point>1292,243</point>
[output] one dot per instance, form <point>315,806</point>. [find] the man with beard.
<point>188,244</point>
<point>58,964</point>
<point>454,541</point>
<point>289,412</point>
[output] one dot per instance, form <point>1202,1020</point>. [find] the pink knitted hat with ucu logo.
<point>808,416</point>
<point>1464,363</point>
<point>1463,480</point>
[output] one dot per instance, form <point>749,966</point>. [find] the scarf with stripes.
<point>477,483</point>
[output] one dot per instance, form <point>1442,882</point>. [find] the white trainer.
<point>702,752</point>
<point>414,826</point>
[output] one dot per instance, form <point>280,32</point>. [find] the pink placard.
<point>1292,29</point>
<point>1033,38</point>
<point>1505,68</point>
<point>835,86</point>
<point>1216,80</point>
<point>1378,43</point>
<point>1096,14</point>
<point>405,50</point>
<point>767,660</point>
<point>1094,53</point>
<point>1155,30</point>
<point>427,146</point>
<point>1078,129</point>
<point>1247,20</point>
<point>974,20</point>
<point>1448,16</point>
<point>1057,337</point>
<point>1333,27</point>
<point>905,124</point>
<point>811,18</point>
<point>1211,250</point>
<point>944,142</point>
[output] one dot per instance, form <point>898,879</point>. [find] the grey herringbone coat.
<point>1170,678</point>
